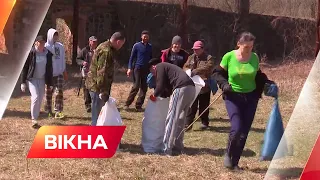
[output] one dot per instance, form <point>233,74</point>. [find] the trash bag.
<point>273,135</point>
<point>153,125</point>
<point>109,114</point>
<point>198,82</point>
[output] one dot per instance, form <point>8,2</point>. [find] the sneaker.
<point>35,124</point>
<point>204,127</point>
<point>227,162</point>
<point>139,109</point>
<point>88,109</point>
<point>237,168</point>
<point>59,115</point>
<point>50,115</point>
<point>126,107</point>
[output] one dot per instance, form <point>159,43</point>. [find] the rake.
<point>200,115</point>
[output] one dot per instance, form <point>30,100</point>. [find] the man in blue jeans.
<point>100,75</point>
<point>141,53</point>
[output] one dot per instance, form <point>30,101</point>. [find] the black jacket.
<point>221,76</point>
<point>30,64</point>
<point>83,56</point>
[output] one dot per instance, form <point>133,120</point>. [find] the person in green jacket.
<point>101,73</point>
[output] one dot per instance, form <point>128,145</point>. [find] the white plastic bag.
<point>198,82</point>
<point>153,125</point>
<point>109,114</point>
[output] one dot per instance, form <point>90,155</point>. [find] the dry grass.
<point>203,158</point>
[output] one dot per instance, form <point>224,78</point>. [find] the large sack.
<point>109,114</point>
<point>153,125</point>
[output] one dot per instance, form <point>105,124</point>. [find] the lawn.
<point>203,158</point>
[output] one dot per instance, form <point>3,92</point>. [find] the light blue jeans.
<point>37,88</point>
<point>96,106</point>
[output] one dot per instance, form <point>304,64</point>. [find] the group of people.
<point>238,75</point>
<point>45,72</point>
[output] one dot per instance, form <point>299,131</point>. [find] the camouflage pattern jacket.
<point>202,66</point>
<point>101,71</point>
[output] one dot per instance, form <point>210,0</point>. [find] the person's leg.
<point>180,101</point>
<point>143,88</point>
<point>48,94</point>
<point>96,107</point>
<point>204,102</point>
<point>135,88</point>
<point>59,97</point>
<point>35,100</point>
<point>186,96</point>
<point>87,99</point>
<point>192,113</point>
<point>248,114</point>
<point>233,106</point>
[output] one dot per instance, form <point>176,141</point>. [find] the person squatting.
<point>238,76</point>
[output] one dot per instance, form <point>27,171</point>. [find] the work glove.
<point>226,87</point>
<point>153,98</point>
<point>271,89</point>
<point>23,87</point>
<point>104,97</point>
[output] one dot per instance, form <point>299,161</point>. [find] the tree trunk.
<point>318,31</point>
<point>183,22</point>
<point>243,9</point>
<point>75,25</point>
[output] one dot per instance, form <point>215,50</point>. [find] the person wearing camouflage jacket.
<point>101,72</point>
<point>200,64</point>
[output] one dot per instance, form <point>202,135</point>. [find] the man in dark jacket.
<point>171,77</point>
<point>84,59</point>
<point>101,73</point>
<point>201,64</point>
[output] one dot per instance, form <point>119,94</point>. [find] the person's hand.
<point>85,64</point>
<point>271,89</point>
<point>23,87</point>
<point>193,72</point>
<point>104,97</point>
<point>65,76</point>
<point>128,72</point>
<point>226,88</point>
<point>153,98</point>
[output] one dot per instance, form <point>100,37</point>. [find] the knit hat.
<point>176,40</point>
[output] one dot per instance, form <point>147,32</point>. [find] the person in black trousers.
<point>142,52</point>
<point>202,64</point>
<point>84,60</point>
<point>242,83</point>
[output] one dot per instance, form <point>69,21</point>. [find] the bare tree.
<point>75,25</point>
<point>318,30</point>
<point>183,22</point>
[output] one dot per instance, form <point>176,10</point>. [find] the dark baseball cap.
<point>40,38</point>
<point>154,61</point>
<point>93,38</point>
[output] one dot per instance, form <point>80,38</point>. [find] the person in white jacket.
<point>59,74</point>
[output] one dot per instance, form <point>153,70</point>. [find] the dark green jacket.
<point>101,72</point>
